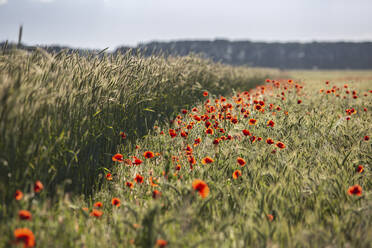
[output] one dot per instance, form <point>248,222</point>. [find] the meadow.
<point>182,152</point>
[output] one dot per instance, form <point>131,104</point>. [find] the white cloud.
<point>3,2</point>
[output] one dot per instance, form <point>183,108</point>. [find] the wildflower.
<point>96,213</point>
<point>270,217</point>
<point>184,111</point>
<point>252,121</point>
<point>192,160</point>
<point>270,123</point>
<point>152,183</point>
<point>216,141</point>
<point>172,133</point>
<point>355,190</point>
<point>236,174</point>
<point>18,195</point>
<point>129,185</point>
<point>246,132</point>
<point>360,168</point>
<point>123,135</point>
<point>98,205</point>
<point>137,161</point>
<point>148,154</point>
<point>188,150</point>
<point>156,194</point>
<point>299,101</point>
<point>207,160</point>
<point>138,178</point>
<point>115,202</point>
<point>25,236</point>
<point>117,157</point>
<point>178,167</point>
<point>108,177</point>
<point>209,131</point>
<point>252,139</point>
<point>205,93</point>
<point>366,138</point>
<point>184,134</point>
<point>161,243</point>
<point>24,215</point>
<point>201,187</point>
<point>38,186</point>
<point>197,141</point>
<point>270,141</point>
<point>280,145</point>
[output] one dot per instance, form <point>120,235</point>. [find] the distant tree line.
<point>291,55</point>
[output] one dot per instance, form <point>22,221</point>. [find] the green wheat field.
<point>134,151</point>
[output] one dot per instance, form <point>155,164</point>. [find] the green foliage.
<point>61,114</point>
<point>293,197</point>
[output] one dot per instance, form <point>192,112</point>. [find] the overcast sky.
<point>111,23</point>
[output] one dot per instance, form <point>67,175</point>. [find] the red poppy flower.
<point>108,177</point>
<point>270,217</point>
<point>240,161</point>
<point>137,161</point>
<point>299,101</point>
<point>117,157</point>
<point>192,160</point>
<point>25,236</point>
<point>252,139</point>
<point>201,187</point>
<point>96,213</point>
<point>257,107</point>
<point>252,121</point>
<point>156,194</point>
<point>270,141</point>
<point>366,138</point>
<point>148,154</point>
<point>24,215</point>
<point>138,178</point>
<point>161,243</point>
<point>123,135</point>
<point>184,111</point>
<point>236,174</point>
<point>172,133</point>
<point>129,185</point>
<point>197,141</point>
<point>115,202</point>
<point>98,205</point>
<point>184,134</point>
<point>355,190</point>
<point>178,167</point>
<point>38,186</point>
<point>152,182</point>
<point>280,145</point>
<point>360,168</point>
<point>209,131</point>
<point>216,141</point>
<point>270,123</point>
<point>188,150</point>
<point>18,195</point>
<point>207,160</point>
<point>246,132</point>
<point>205,93</point>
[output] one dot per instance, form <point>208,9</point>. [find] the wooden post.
<point>20,36</point>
